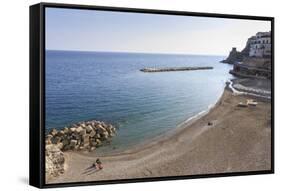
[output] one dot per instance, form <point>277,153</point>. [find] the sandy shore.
<point>238,140</point>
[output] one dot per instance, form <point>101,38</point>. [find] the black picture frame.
<point>37,93</point>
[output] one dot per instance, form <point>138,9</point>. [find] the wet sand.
<point>239,139</point>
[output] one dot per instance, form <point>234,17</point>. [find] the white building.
<point>260,45</point>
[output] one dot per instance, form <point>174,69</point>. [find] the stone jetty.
<point>82,136</point>
<point>173,69</point>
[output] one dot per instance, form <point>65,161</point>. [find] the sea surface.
<point>110,87</point>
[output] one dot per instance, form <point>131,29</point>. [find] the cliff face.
<point>233,57</point>
<point>237,56</point>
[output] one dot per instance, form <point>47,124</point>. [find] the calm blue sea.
<point>109,87</point>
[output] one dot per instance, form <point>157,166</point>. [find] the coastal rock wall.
<point>264,63</point>
<point>83,136</point>
<point>54,161</point>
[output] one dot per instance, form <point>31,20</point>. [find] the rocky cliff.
<point>237,56</point>
<point>233,57</point>
<point>54,161</point>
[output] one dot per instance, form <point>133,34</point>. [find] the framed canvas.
<point>123,95</point>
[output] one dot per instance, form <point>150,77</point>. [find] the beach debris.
<point>251,102</point>
<point>210,123</point>
<point>241,104</point>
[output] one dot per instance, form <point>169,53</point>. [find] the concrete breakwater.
<point>83,136</point>
<point>172,69</point>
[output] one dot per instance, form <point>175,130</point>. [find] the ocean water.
<point>109,87</point>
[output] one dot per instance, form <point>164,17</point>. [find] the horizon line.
<point>132,52</point>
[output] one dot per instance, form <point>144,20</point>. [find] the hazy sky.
<point>73,29</point>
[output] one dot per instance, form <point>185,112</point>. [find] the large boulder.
<point>89,128</point>
<point>53,132</point>
<point>91,149</point>
<point>79,129</point>
<point>98,141</point>
<point>83,132</point>
<point>93,142</point>
<point>66,130</point>
<point>72,129</point>
<point>48,139</point>
<point>56,139</point>
<point>86,141</point>
<point>83,124</point>
<point>92,133</point>
<point>73,143</point>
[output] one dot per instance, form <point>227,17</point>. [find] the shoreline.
<point>159,138</point>
<point>193,148</point>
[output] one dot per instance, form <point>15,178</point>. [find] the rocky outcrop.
<point>82,136</point>
<point>237,56</point>
<point>54,161</point>
<point>233,57</point>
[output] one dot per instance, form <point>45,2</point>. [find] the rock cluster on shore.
<point>81,136</point>
<point>84,136</point>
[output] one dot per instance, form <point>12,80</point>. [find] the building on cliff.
<point>255,59</point>
<point>260,45</point>
<point>237,56</point>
